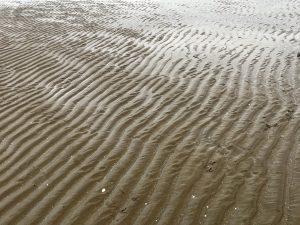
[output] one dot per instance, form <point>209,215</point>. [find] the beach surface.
<point>145,112</point>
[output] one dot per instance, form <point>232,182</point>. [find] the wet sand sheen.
<point>150,112</point>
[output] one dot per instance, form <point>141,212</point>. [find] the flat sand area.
<point>149,112</point>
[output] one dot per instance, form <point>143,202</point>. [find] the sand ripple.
<point>150,112</point>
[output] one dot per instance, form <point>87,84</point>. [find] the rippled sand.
<point>120,112</point>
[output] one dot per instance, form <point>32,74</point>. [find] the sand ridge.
<point>149,112</point>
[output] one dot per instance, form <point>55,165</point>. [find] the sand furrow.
<point>149,112</point>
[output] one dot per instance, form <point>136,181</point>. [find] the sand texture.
<point>143,112</point>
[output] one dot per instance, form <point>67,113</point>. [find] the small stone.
<point>268,126</point>
<point>124,210</point>
<point>103,190</point>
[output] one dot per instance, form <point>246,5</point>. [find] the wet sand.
<point>150,112</point>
